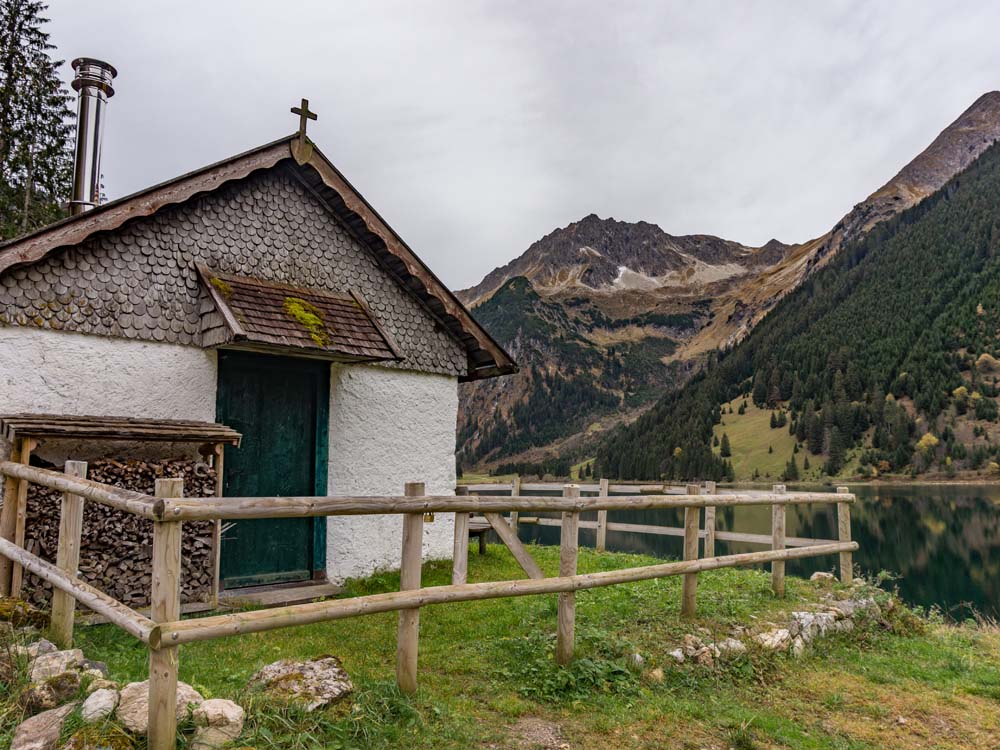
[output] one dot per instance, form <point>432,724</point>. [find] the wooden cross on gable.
<point>304,116</point>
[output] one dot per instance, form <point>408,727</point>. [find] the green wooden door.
<point>280,404</point>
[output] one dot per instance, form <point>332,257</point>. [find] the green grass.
<point>750,437</point>
<point>485,666</point>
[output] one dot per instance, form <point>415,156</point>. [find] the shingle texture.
<point>291,317</point>
<point>141,281</point>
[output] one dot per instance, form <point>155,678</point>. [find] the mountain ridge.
<point>622,288</point>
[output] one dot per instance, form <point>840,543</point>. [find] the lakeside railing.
<point>164,632</point>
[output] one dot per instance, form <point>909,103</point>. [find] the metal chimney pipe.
<point>93,85</point>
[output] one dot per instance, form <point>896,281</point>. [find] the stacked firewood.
<point>116,546</point>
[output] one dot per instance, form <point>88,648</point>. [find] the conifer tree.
<point>725,451</point>
<point>36,148</point>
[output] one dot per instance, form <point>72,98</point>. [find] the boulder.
<point>775,640</point>
<point>636,661</point>
<point>56,690</point>
<point>133,705</point>
<point>704,657</point>
<point>823,576</point>
<point>730,646</point>
<point>218,722</point>
<point>315,683</point>
<point>691,644</point>
<point>100,704</point>
<point>41,732</point>
<point>55,662</point>
<point>798,647</point>
<point>89,665</point>
<point>677,655</point>
<point>101,684</point>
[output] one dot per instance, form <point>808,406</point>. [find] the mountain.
<point>886,357</point>
<point>604,316</point>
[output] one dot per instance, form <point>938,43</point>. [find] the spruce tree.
<point>36,127</point>
<point>725,451</point>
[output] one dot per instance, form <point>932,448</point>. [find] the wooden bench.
<point>479,527</point>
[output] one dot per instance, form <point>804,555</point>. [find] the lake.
<point>942,541</point>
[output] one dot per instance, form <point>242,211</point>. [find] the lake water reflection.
<point>943,541</point>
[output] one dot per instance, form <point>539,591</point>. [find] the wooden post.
<point>8,520</point>
<point>21,517</point>
<point>568,548</point>
<point>166,607</point>
<point>710,489</point>
<point>515,491</point>
<point>67,559</point>
<point>844,535</point>
<point>220,461</point>
<point>602,519</point>
<point>460,550</point>
<point>408,633</point>
<point>690,584</point>
<point>778,542</point>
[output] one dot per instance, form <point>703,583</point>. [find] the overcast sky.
<point>475,128</point>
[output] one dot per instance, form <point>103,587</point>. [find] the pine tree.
<point>791,471</point>
<point>725,451</point>
<point>36,149</point>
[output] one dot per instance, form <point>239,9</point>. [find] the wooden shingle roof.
<point>268,315</point>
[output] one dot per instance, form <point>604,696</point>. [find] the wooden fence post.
<point>691,529</point>
<point>602,519</point>
<point>165,603</point>
<point>408,634</point>
<point>219,451</point>
<point>67,559</point>
<point>778,542</point>
<point>568,548</point>
<point>8,520</point>
<point>460,550</point>
<point>515,491</point>
<point>844,535</point>
<point>710,489</point>
<point>21,517</point>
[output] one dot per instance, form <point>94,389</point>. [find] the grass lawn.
<point>487,677</point>
<point>750,437</point>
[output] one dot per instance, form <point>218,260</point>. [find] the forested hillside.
<point>891,347</point>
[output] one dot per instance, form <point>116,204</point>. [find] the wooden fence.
<point>164,632</point>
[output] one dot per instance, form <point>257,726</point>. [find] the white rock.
<point>219,722</point>
<point>41,732</point>
<point>798,647</point>
<point>133,705</point>
<point>636,661</point>
<point>101,684</point>
<point>691,644</point>
<point>56,662</point>
<point>315,683</point>
<point>677,655</point>
<point>775,640</point>
<point>100,704</point>
<point>820,575</point>
<point>731,646</point>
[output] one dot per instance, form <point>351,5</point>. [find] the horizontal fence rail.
<point>164,632</point>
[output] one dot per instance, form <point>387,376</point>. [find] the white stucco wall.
<point>70,373</point>
<point>388,427</point>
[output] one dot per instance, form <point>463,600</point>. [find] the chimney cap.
<point>93,72</point>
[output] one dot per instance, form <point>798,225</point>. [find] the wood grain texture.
<point>509,537</point>
<point>602,518</point>
<point>778,542</point>
<point>689,589</point>
<point>408,632</point>
<point>136,503</point>
<point>235,508</point>
<point>710,530</point>
<point>844,534</point>
<point>460,550</point>
<point>67,559</point>
<point>221,626</point>
<point>165,606</point>
<point>20,516</point>
<point>569,543</point>
<point>8,519</point>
